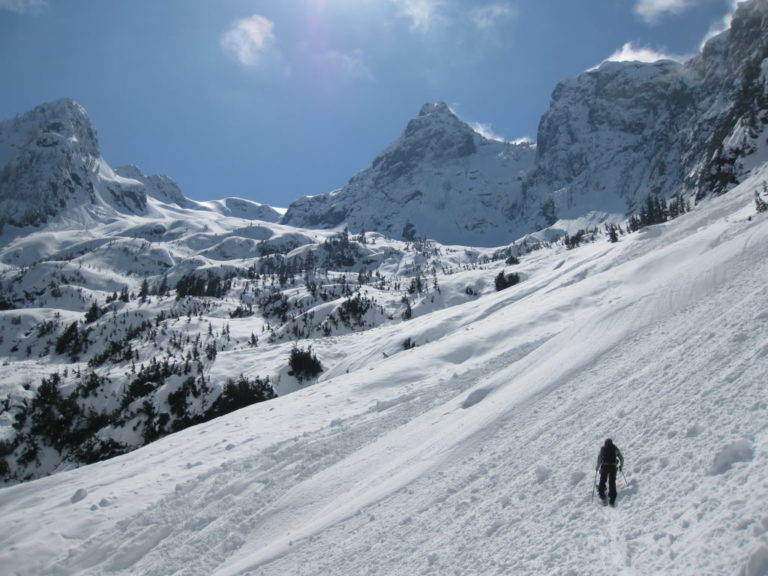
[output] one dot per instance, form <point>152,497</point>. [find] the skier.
<point>607,460</point>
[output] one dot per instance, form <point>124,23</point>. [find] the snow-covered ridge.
<point>610,138</point>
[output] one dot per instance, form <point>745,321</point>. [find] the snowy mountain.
<point>622,131</point>
<point>52,172</point>
<point>99,266</point>
<point>473,451</point>
<point>439,180</point>
<point>607,140</point>
<point>218,388</point>
<point>611,137</point>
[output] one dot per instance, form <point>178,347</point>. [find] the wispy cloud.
<point>24,6</point>
<point>431,15</point>
<point>631,53</point>
<point>422,15</point>
<point>491,15</point>
<point>350,65</point>
<point>250,40</point>
<point>654,10</point>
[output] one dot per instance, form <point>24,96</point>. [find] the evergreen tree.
<point>613,234</point>
<point>760,204</point>
<point>93,314</point>
<point>144,291</point>
<point>162,289</point>
<point>408,312</point>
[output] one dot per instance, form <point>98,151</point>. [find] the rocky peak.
<point>435,135</point>
<point>437,121</point>
<point>747,30</point>
<point>61,123</point>
<point>605,131</point>
<point>50,166</point>
<point>439,179</point>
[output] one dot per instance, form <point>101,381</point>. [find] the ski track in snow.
<point>473,454</point>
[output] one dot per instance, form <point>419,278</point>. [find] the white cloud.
<point>492,14</point>
<point>653,10</point>
<point>250,40</point>
<point>24,6</point>
<point>350,64</point>
<point>422,14</point>
<point>632,53</point>
<point>428,15</point>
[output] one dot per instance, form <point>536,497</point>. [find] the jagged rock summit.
<point>51,169</point>
<point>440,179</point>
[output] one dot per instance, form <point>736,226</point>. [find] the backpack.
<point>608,455</point>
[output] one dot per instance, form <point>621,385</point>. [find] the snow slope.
<point>474,452</point>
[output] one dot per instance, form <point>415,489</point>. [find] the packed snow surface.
<point>473,453</point>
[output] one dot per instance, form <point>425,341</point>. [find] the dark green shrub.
<point>304,364</point>
<point>504,281</point>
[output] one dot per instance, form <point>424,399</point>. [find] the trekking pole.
<point>625,478</point>
<point>593,486</point>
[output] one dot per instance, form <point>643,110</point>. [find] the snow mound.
<point>738,451</point>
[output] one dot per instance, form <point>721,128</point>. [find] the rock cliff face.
<point>731,103</point>
<point>627,130</point>
<point>611,137</point>
<point>608,138</point>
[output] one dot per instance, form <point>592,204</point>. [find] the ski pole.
<point>593,486</point>
<point>625,478</point>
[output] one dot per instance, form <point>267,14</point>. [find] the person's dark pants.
<point>607,473</point>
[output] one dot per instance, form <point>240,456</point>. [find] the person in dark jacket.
<point>608,460</point>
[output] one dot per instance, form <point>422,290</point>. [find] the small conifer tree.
<point>760,204</point>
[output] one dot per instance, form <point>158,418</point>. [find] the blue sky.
<point>272,100</point>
